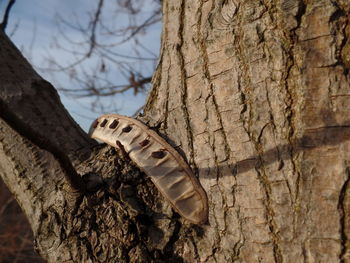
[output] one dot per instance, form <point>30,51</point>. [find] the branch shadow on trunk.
<point>330,134</point>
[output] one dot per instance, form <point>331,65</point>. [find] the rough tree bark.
<point>255,94</point>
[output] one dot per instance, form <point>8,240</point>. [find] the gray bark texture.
<point>254,94</point>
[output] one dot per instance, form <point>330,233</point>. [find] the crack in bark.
<point>205,68</point>
<point>195,249</point>
<point>164,52</point>
<point>202,48</point>
<point>260,169</point>
<point>206,73</point>
<point>340,21</point>
<point>167,80</point>
<point>204,55</point>
<point>183,85</point>
<point>169,247</point>
<point>270,213</point>
<point>344,216</point>
<point>290,64</point>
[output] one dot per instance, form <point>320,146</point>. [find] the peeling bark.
<point>254,94</point>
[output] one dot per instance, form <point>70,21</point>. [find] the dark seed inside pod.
<point>119,144</point>
<point>127,129</point>
<point>114,124</point>
<point>158,154</point>
<point>95,124</point>
<point>144,143</point>
<point>103,123</point>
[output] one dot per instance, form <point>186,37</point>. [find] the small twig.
<point>6,15</point>
<point>93,28</point>
<point>138,111</point>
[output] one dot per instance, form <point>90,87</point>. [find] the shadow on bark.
<point>330,134</point>
<point>323,136</point>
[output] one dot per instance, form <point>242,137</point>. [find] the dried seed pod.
<point>165,166</point>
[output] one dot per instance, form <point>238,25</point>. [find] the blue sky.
<point>36,27</point>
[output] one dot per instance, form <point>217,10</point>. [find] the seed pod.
<point>160,161</point>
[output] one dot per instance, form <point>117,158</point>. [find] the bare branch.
<point>93,28</point>
<point>137,84</point>
<point>99,64</point>
<point>154,18</point>
<point>6,15</point>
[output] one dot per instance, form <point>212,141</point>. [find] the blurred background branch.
<point>99,65</point>
<point>6,14</point>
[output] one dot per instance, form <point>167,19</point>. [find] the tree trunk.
<point>254,94</point>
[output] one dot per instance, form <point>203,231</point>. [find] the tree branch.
<point>6,15</point>
<point>93,28</point>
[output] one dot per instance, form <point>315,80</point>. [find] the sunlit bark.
<point>253,93</point>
